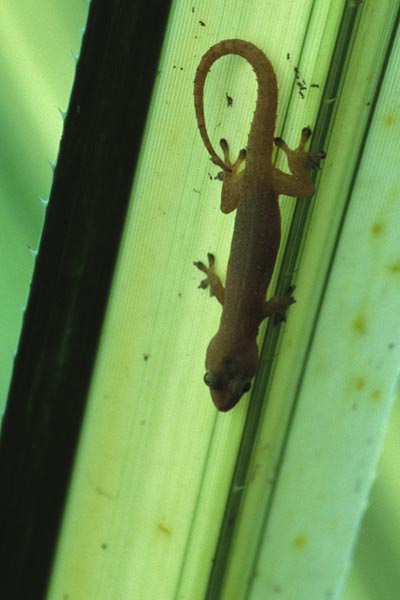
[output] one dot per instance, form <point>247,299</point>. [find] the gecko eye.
<point>206,379</point>
<point>213,380</point>
<point>246,387</point>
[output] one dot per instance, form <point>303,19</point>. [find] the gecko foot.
<point>212,280</point>
<point>277,306</point>
<point>299,158</point>
<point>204,283</point>
<point>231,178</point>
<point>233,167</point>
<point>285,302</point>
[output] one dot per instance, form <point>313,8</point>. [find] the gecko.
<point>232,354</point>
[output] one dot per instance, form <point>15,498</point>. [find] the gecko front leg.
<point>277,306</point>
<point>212,280</point>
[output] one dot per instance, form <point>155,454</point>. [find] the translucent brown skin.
<point>232,355</point>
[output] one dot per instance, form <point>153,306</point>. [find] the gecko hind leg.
<point>231,178</point>
<point>299,183</point>
<point>300,157</point>
<point>212,280</point>
<point>233,167</point>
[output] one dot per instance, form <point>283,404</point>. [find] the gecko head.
<point>230,377</point>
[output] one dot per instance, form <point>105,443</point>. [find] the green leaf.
<point>168,498</point>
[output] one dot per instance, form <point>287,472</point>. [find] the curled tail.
<point>267,89</point>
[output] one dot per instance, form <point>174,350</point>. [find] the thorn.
<point>12,353</point>
<point>33,251</point>
<point>43,201</point>
<point>62,113</point>
<point>21,308</point>
<point>52,165</point>
<point>75,56</point>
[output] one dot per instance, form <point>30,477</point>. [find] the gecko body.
<point>232,355</point>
